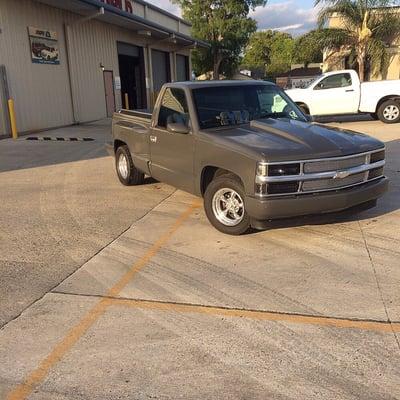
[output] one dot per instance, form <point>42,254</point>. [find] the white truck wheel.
<point>389,112</point>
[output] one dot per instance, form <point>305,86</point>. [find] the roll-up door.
<point>182,68</point>
<point>161,70</point>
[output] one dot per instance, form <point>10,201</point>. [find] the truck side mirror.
<point>177,127</point>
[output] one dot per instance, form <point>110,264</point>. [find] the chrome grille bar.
<point>321,175</point>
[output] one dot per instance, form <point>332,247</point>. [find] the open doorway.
<point>132,73</point>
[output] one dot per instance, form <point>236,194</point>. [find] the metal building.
<point>75,61</point>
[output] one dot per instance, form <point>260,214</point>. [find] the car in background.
<point>341,92</point>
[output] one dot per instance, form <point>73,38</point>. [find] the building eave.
<point>126,20</point>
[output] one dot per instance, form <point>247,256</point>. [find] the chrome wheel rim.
<point>123,166</point>
<point>228,207</point>
<point>391,112</point>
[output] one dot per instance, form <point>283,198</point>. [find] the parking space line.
<point>39,374</point>
<point>333,322</point>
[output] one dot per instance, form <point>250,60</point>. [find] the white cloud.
<point>286,16</point>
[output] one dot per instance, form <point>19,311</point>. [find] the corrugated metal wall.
<point>43,93</point>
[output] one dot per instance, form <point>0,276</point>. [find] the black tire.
<point>389,117</point>
<point>230,182</point>
<point>132,176</point>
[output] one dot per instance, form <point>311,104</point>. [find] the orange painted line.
<point>39,374</point>
<point>260,315</point>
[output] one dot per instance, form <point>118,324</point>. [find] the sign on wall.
<point>44,46</point>
<point>117,83</point>
<point>124,5</point>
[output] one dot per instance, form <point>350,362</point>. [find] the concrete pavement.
<point>60,204</point>
<point>308,309</point>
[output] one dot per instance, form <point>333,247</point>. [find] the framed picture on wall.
<point>44,46</point>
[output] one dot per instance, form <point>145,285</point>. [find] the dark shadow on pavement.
<point>23,154</point>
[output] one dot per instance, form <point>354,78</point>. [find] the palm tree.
<point>369,27</point>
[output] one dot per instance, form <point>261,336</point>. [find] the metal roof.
<point>115,16</point>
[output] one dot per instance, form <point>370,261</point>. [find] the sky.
<point>292,16</point>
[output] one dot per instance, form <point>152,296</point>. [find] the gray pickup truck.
<point>249,151</point>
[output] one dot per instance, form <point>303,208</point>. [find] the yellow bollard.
<point>13,120</point>
<point>127,102</point>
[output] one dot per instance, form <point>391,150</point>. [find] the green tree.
<point>226,26</point>
<point>269,51</point>
<point>308,48</point>
<point>368,27</point>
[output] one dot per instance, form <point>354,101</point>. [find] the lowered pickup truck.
<point>249,151</point>
<point>341,92</point>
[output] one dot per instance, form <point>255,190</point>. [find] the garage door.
<point>182,68</point>
<point>161,69</point>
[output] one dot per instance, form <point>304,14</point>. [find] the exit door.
<point>109,92</point>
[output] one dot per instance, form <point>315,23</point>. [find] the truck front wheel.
<point>127,173</point>
<point>225,207</point>
<point>389,112</point>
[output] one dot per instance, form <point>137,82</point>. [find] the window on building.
<point>335,81</point>
<point>174,108</point>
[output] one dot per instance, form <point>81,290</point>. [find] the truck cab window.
<point>174,108</point>
<point>334,82</point>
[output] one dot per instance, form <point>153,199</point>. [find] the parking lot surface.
<point>110,292</point>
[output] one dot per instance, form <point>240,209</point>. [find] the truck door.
<point>335,94</point>
<point>172,150</point>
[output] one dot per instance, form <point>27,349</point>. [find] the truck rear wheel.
<point>389,112</point>
<point>225,207</point>
<point>127,173</point>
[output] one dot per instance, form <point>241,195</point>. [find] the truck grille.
<point>320,175</point>
<point>322,184</point>
<point>333,165</point>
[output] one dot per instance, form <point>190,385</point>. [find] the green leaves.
<point>225,25</point>
<point>367,28</point>
<point>270,53</point>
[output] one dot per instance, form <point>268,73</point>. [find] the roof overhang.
<point>112,15</point>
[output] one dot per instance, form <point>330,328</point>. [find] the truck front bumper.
<point>283,207</point>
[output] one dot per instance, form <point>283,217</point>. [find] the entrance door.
<point>132,73</point>
<point>109,91</point>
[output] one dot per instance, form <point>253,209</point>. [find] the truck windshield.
<point>235,105</point>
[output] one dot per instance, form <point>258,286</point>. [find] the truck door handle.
<point>153,139</point>
<point>349,90</point>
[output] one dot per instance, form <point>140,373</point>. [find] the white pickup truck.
<point>341,92</point>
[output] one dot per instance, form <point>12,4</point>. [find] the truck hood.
<point>286,140</point>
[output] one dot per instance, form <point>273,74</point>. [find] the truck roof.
<point>198,84</point>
